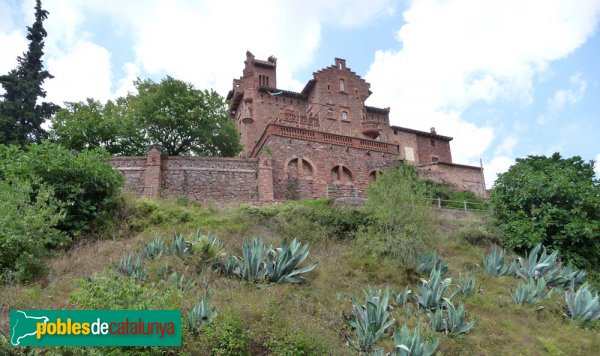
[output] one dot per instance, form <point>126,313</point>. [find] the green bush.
<point>109,290</point>
<point>554,201</point>
<point>84,183</point>
<point>27,224</point>
<point>400,216</point>
<point>477,233</point>
<point>227,335</point>
<point>309,220</point>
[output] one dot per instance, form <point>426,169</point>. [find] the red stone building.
<point>325,141</point>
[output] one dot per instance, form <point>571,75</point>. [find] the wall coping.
<point>323,137</point>
<point>450,164</point>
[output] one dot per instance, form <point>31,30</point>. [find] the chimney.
<point>432,130</point>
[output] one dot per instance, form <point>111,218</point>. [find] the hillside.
<point>290,319</point>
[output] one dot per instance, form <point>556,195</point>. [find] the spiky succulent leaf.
<point>371,319</point>
<point>583,305</point>
<point>409,343</point>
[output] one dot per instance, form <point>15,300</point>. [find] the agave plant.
<point>432,293</point>
<point>494,263</point>
<point>530,292</point>
<point>371,320</point>
<point>181,283</point>
<point>131,267</point>
<point>179,246</point>
<point>164,271</point>
<point>409,343</point>
<point>538,263</point>
<point>455,324</point>
<point>437,321</point>
<point>400,299</point>
<point>466,285</point>
<point>565,277</point>
<point>202,314</point>
<point>253,266</point>
<point>583,305</point>
<point>230,266</point>
<point>156,248</point>
<point>282,263</point>
<point>428,262</point>
<point>206,247</point>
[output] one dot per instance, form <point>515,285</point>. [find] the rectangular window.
<point>342,87</point>
<point>330,114</point>
<point>432,143</point>
<point>344,116</point>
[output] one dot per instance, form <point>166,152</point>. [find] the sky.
<point>505,78</point>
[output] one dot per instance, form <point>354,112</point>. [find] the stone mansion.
<point>320,142</point>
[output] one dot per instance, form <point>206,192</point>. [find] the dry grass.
<point>315,308</point>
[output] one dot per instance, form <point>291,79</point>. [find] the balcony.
<point>370,129</point>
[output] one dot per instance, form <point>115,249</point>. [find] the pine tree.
<point>21,117</point>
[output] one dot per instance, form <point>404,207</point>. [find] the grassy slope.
<point>309,316</point>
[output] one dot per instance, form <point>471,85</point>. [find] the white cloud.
<point>13,44</point>
<point>498,164</point>
<point>506,147</point>
<point>457,53</point>
<point>563,97</point>
<point>203,42</point>
<point>83,72</point>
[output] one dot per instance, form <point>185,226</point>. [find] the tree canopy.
<point>21,116</point>
<point>551,200</point>
<point>171,115</point>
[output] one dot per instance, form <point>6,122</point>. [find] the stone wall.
<point>206,179</point>
<point>133,169</point>
<point>459,177</point>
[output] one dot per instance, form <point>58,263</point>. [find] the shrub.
<point>27,224</point>
<point>227,335</point>
<point>476,233</point>
<point>108,290</point>
<point>553,201</point>
<point>86,185</point>
<point>454,323</point>
<point>432,293</point>
<point>311,220</point>
<point>283,262</point>
<point>400,218</point>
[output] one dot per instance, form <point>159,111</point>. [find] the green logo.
<point>95,327</point>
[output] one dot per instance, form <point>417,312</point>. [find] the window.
<point>344,116</point>
<point>340,65</point>
<point>328,88</point>
<point>434,159</point>
<point>342,86</point>
<point>432,143</point>
<point>330,114</point>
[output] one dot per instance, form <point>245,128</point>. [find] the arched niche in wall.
<point>300,168</point>
<point>373,175</point>
<point>342,174</point>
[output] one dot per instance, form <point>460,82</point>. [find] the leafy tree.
<point>553,201</point>
<point>172,115</point>
<point>90,124</point>
<point>21,116</point>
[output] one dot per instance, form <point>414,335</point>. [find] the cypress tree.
<point>21,116</point>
